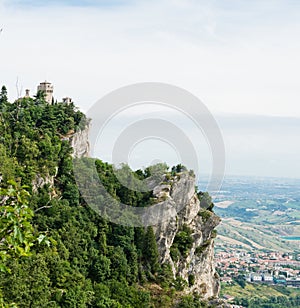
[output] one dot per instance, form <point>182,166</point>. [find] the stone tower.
<point>47,88</point>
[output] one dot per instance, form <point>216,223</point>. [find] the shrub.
<point>183,241</point>
<point>191,280</point>
<point>179,283</point>
<point>204,214</point>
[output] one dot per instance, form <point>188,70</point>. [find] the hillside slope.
<point>75,257</point>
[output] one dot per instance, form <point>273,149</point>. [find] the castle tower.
<point>47,88</point>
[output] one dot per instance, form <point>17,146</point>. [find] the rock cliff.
<point>40,181</point>
<point>186,241</point>
<point>80,143</point>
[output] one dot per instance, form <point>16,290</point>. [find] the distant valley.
<point>258,213</point>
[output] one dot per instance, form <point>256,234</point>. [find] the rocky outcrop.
<point>196,265</point>
<point>41,180</point>
<point>80,143</point>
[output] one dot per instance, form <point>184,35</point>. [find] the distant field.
<point>223,204</point>
<point>262,292</point>
<point>258,213</point>
<point>252,236</point>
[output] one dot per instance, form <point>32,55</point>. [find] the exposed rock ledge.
<point>80,143</point>
<point>199,262</point>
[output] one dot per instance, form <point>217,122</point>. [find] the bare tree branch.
<point>46,206</point>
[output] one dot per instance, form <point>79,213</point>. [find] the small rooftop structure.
<point>67,100</point>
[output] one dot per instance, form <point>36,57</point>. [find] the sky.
<point>240,58</point>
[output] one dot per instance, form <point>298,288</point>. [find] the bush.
<point>205,214</point>
<point>214,233</point>
<point>183,241</point>
<point>191,280</point>
<point>179,283</point>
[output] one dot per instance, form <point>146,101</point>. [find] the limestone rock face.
<point>41,180</point>
<point>80,143</point>
<point>198,263</point>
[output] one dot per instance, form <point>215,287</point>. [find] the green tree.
<point>40,97</point>
<point>29,290</point>
<point>101,269</point>
<point>150,251</point>
<point>16,230</point>
<point>183,241</point>
<point>3,95</point>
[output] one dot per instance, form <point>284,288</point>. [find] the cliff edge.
<point>186,241</point>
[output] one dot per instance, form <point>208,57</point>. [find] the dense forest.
<point>55,251</point>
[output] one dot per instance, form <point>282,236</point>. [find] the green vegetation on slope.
<point>85,261</point>
<point>258,295</point>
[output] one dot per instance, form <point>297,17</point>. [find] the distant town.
<point>280,268</point>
